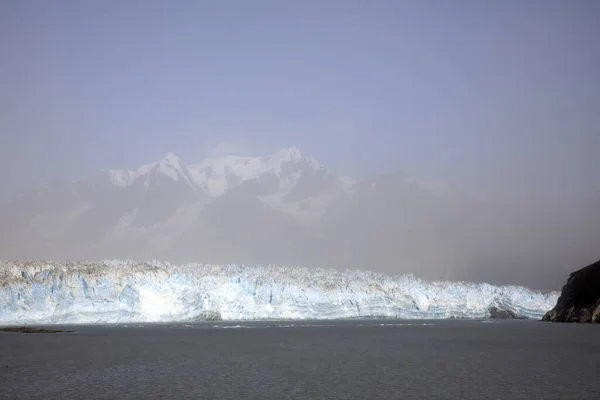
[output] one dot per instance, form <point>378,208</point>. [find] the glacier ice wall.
<point>125,291</point>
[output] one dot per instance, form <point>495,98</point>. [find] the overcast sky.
<point>486,95</point>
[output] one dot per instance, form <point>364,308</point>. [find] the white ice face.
<point>123,291</point>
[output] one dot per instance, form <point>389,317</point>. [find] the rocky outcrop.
<point>579,300</point>
<point>497,313</point>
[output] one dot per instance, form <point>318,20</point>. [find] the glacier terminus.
<point>126,291</point>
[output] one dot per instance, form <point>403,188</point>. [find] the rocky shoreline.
<point>579,300</point>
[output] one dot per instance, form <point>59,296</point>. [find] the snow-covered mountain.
<point>122,292</point>
<point>285,208</point>
<point>287,181</point>
<point>164,208</point>
<point>219,175</point>
<point>167,167</point>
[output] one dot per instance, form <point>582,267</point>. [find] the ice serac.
<point>125,291</point>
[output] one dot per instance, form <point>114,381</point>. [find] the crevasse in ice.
<point>126,291</point>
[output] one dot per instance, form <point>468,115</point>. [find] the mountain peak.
<point>168,166</point>
<point>288,154</point>
<point>220,174</point>
<point>171,158</point>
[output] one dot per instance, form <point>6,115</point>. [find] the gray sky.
<point>499,98</point>
<point>487,95</point>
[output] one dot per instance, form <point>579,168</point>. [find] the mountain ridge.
<point>284,208</point>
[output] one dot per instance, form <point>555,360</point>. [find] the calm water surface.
<point>308,360</point>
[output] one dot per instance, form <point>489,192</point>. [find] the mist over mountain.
<point>287,208</point>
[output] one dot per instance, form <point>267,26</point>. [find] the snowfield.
<point>126,291</point>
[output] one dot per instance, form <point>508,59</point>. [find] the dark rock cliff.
<point>579,300</point>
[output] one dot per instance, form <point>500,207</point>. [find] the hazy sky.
<point>483,94</point>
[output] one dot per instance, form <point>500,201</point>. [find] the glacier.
<point>48,292</point>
